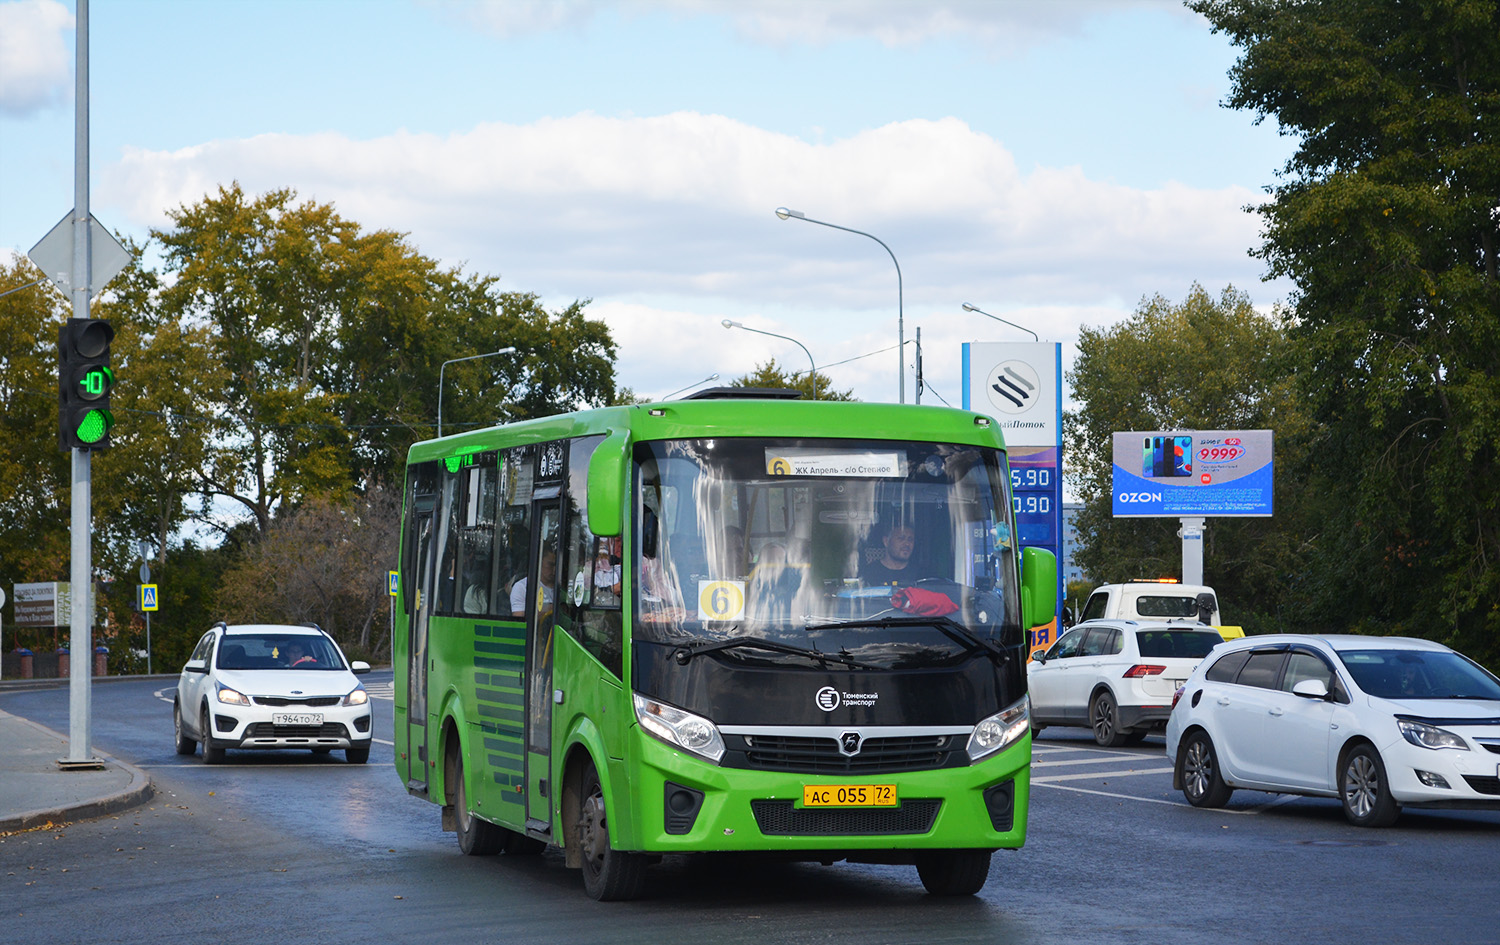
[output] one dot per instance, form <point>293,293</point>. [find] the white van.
<point>1157,600</point>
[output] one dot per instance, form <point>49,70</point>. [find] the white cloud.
<point>36,69</point>
<point>667,223</point>
<point>1006,26</point>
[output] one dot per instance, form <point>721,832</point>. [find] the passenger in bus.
<point>894,567</point>
<point>477,586</point>
<point>548,579</point>
<point>606,575</point>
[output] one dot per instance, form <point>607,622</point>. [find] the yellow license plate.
<point>848,795</point>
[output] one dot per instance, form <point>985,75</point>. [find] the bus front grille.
<point>813,755</point>
<point>778,818</point>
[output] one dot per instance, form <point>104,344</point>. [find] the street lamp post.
<point>472,357</point>
<point>730,323</point>
<point>786,214</point>
<point>972,308</point>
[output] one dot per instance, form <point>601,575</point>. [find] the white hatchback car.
<point>271,686</point>
<point>1115,676</point>
<point>1379,722</point>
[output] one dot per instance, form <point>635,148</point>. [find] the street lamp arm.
<point>785,214</point>
<point>973,308</point>
<point>444,367</point>
<point>730,323</point>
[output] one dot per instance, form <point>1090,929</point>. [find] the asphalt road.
<point>293,847</point>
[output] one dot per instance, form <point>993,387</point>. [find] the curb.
<point>138,791</point>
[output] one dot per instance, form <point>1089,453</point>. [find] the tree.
<point>771,374</point>
<point>1385,218</point>
<point>323,564</point>
<point>1208,364</point>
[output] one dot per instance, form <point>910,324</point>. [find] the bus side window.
<point>512,544</point>
<point>593,568</point>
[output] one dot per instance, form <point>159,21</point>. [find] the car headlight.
<point>232,697</point>
<point>1429,736</point>
<point>684,729</point>
<point>357,697</point>
<point>1000,730</point>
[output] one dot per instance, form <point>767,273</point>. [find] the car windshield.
<point>278,651</point>
<point>889,553</point>
<point>1419,674</point>
<point>1166,644</point>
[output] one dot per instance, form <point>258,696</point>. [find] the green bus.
<point>739,621</point>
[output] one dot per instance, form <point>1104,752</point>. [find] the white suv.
<point>1115,676</point>
<point>1379,722</point>
<point>271,686</point>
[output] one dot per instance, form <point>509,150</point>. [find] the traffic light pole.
<point>80,637</point>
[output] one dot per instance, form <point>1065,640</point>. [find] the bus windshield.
<point>883,553</point>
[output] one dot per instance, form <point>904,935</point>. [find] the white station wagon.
<point>265,686</point>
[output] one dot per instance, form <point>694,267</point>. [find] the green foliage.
<point>1205,364</point>
<point>1386,218</point>
<point>281,363</point>
<point>771,374</point>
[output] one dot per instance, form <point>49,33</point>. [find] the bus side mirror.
<point>1038,587</point>
<point>607,490</point>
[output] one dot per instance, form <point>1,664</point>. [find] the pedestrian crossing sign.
<point>393,583</point>
<point>148,597</point>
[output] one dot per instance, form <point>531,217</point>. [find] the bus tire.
<point>954,872</point>
<point>609,875</point>
<point>475,837</point>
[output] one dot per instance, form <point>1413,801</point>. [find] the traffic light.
<point>83,384</point>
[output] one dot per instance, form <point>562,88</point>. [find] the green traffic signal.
<point>84,381</point>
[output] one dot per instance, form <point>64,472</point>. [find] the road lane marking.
<point>1097,775</point>
<point>1110,758</point>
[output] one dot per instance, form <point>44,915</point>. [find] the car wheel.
<point>185,745</point>
<point>608,874</point>
<point>1365,791</point>
<point>1135,738</point>
<point>212,754</point>
<point>1202,784</point>
<point>475,837</point>
<point>1037,730</point>
<point>953,872</point>
<point>1104,719</point>
<point>357,756</point>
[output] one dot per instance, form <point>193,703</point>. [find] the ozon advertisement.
<point>1192,473</point>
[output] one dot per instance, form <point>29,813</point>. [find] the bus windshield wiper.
<point>945,625</point>
<point>685,653</point>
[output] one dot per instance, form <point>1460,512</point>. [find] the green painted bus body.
<point>477,686</point>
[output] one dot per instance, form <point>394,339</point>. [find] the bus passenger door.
<point>541,593</point>
<point>416,712</point>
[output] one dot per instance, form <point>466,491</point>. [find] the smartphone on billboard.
<point>1182,456</point>
<point>1146,457</point>
<point>1158,456</point>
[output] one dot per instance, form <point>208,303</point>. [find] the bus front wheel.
<point>954,872</point>
<point>475,837</point>
<point>608,874</point>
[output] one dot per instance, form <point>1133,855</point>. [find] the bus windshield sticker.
<point>721,600</point>
<point>849,464</point>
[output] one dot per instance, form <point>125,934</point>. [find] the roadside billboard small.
<point>1186,473</point>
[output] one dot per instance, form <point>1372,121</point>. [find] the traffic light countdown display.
<point>84,380</point>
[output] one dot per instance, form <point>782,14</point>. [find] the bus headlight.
<point>683,729</point>
<point>1000,730</point>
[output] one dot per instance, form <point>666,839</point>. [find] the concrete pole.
<point>80,643</point>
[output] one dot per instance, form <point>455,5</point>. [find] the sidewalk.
<point>34,789</point>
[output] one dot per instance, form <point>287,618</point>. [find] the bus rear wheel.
<point>608,874</point>
<point>954,872</point>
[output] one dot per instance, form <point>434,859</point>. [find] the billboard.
<point>1182,473</point>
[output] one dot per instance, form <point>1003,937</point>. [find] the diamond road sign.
<point>53,254</point>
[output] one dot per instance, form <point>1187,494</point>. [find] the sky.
<point>1052,162</point>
